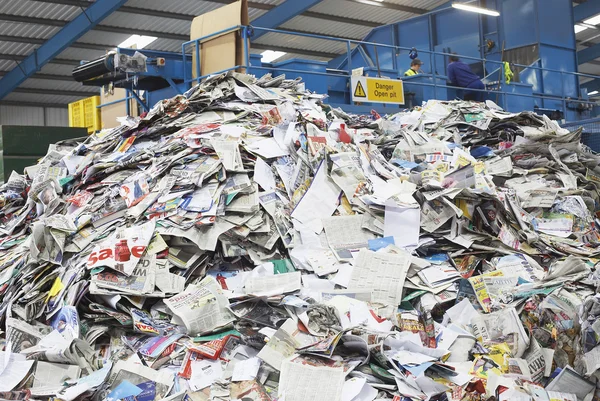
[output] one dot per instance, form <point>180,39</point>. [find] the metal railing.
<point>246,33</point>
<point>591,132</point>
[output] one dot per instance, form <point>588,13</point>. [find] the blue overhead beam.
<point>588,54</point>
<point>586,10</point>
<point>279,15</point>
<point>88,19</point>
<point>591,86</point>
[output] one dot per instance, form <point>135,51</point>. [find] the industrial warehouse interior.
<point>300,200</point>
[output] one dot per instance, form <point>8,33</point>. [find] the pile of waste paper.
<point>246,241</point>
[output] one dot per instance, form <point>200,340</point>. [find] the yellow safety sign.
<point>378,90</point>
<point>359,91</point>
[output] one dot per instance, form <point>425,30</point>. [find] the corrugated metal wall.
<point>56,117</point>
<point>23,115</point>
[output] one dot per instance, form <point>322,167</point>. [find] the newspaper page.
<point>498,286</point>
<point>202,308</point>
<point>346,172</point>
<point>49,377</point>
<point>320,200</point>
<point>535,361</point>
<point>141,281</point>
<point>229,153</point>
<point>381,273</point>
<point>21,335</point>
<point>14,368</point>
<point>137,373</point>
<point>274,204</point>
<point>543,198</point>
<point>482,292</point>
<point>283,344</point>
<point>168,282</point>
<point>205,238</point>
<point>517,265</point>
<point>569,381</point>
<point>123,250</point>
<point>274,285</point>
<point>499,166</point>
<point>345,233</point>
<point>500,324</point>
<point>464,177</point>
<point>434,214</point>
<point>300,381</point>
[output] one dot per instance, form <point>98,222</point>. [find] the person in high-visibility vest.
<point>415,66</point>
<point>508,74</point>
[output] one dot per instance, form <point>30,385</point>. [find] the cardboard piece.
<point>224,51</point>
<point>110,113</point>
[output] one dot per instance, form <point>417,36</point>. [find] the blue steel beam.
<point>281,14</point>
<point>72,31</point>
<point>591,86</point>
<point>588,54</point>
<point>586,10</point>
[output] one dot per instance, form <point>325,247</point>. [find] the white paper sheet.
<point>402,223</point>
<point>204,373</point>
<point>320,200</point>
<point>14,370</point>
<point>246,370</point>
<point>344,274</point>
<point>263,175</point>
<point>383,274</point>
<point>299,382</point>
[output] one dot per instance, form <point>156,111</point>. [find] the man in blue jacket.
<point>460,74</point>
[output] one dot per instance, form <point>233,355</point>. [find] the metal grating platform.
<point>591,132</point>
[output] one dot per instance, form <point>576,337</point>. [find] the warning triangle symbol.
<point>359,91</point>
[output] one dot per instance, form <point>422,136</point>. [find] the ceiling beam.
<point>391,6</point>
<point>17,58</point>
<point>586,10</point>
<point>251,4</point>
<point>76,28</point>
<point>40,41</point>
<point>589,54</point>
<point>58,92</point>
<point>281,14</point>
<point>593,85</point>
<point>125,9</point>
<point>32,104</point>
<point>50,77</point>
<point>338,18</point>
<point>294,50</point>
<point>353,37</point>
<point>174,36</point>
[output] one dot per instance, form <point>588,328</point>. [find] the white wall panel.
<point>26,115</point>
<point>57,117</point>
<point>21,115</point>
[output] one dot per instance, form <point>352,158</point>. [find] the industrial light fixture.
<point>271,55</point>
<point>593,93</point>
<point>593,21</point>
<point>578,28</point>
<point>138,41</point>
<point>377,3</point>
<point>475,9</point>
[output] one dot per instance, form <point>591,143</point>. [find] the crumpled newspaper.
<point>248,241</point>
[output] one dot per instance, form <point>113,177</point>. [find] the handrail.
<point>394,47</point>
<point>581,122</point>
<point>246,32</point>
